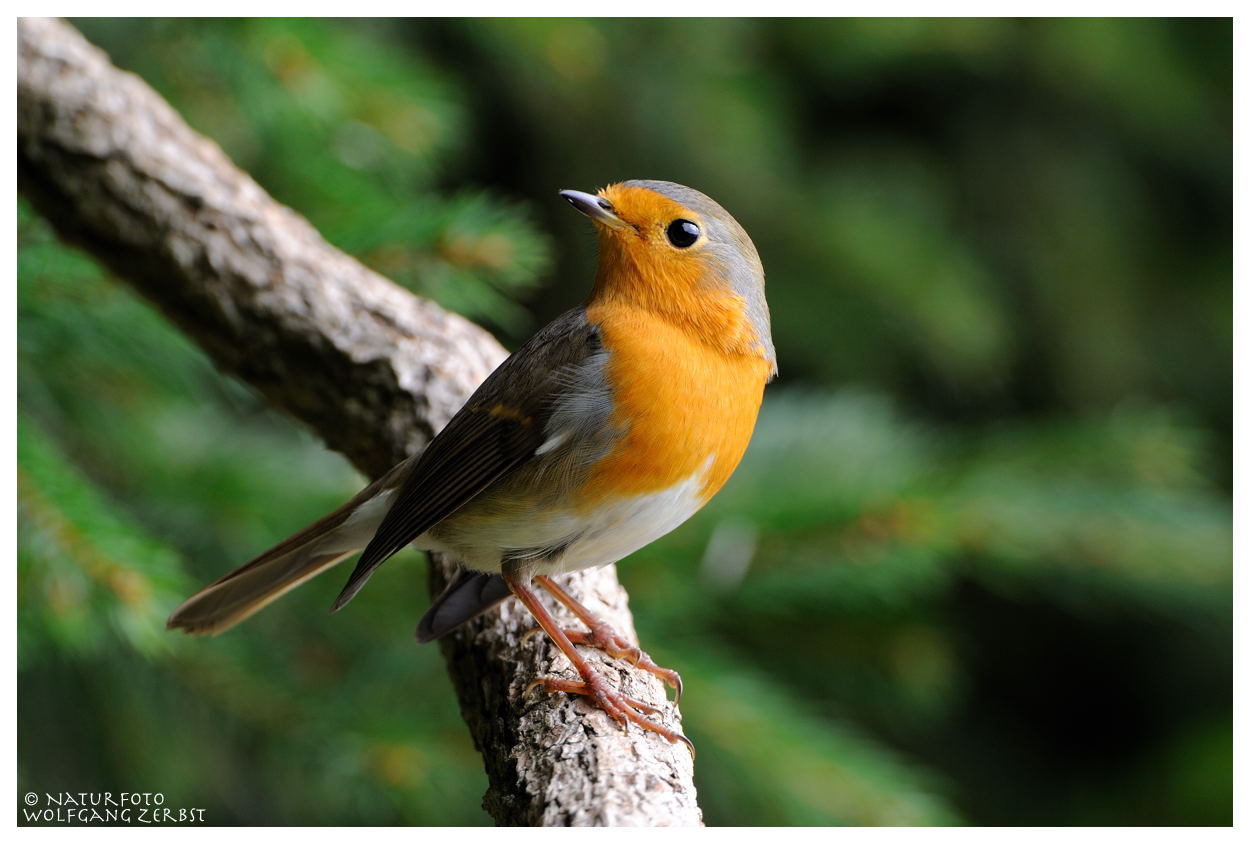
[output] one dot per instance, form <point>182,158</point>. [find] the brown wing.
<point>498,429</point>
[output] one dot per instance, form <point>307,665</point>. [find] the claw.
<point>539,682</point>
<point>604,638</point>
<point>619,707</point>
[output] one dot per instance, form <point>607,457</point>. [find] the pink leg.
<point>606,639</point>
<point>619,707</point>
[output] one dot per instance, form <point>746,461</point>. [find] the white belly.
<point>605,535</point>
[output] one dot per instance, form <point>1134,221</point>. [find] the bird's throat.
<point>678,291</point>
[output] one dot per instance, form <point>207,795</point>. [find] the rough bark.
<point>371,368</point>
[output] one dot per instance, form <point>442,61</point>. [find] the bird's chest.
<point>687,411</point>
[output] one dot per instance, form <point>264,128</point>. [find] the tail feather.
<point>469,595</point>
<point>217,608</point>
<point>230,599</point>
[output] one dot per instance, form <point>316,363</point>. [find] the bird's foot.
<point>602,636</point>
<point>606,639</point>
<point>619,707</point>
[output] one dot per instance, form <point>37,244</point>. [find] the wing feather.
<point>475,449</point>
<point>502,426</point>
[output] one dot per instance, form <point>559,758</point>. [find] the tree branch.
<point>373,369</point>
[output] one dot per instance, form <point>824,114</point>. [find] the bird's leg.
<point>621,708</point>
<point>606,639</point>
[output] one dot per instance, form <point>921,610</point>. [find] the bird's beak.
<point>595,207</point>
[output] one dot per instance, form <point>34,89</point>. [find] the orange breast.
<point>680,401</point>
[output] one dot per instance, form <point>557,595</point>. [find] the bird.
<point>608,429</point>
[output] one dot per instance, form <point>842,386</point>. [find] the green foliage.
<point>353,131</point>
<point>798,767</point>
<point>976,565</point>
<point>92,582</point>
<point>866,575</point>
<point>983,216</point>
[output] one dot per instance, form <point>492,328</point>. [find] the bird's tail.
<point>228,600</point>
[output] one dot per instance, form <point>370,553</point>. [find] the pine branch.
<point>374,370</point>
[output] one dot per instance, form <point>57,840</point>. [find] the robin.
<point>608,429</point>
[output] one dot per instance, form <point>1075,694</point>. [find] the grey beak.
<point>595,207</point>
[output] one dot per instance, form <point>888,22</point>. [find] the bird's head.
<point>671,250</point>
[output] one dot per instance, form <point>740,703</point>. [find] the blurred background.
<point>976,566</point>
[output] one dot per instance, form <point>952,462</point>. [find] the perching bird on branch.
<point>605,431</point>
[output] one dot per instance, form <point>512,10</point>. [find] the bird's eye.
<point>682,233</point>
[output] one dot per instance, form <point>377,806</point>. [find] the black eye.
<point>682,233</point>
